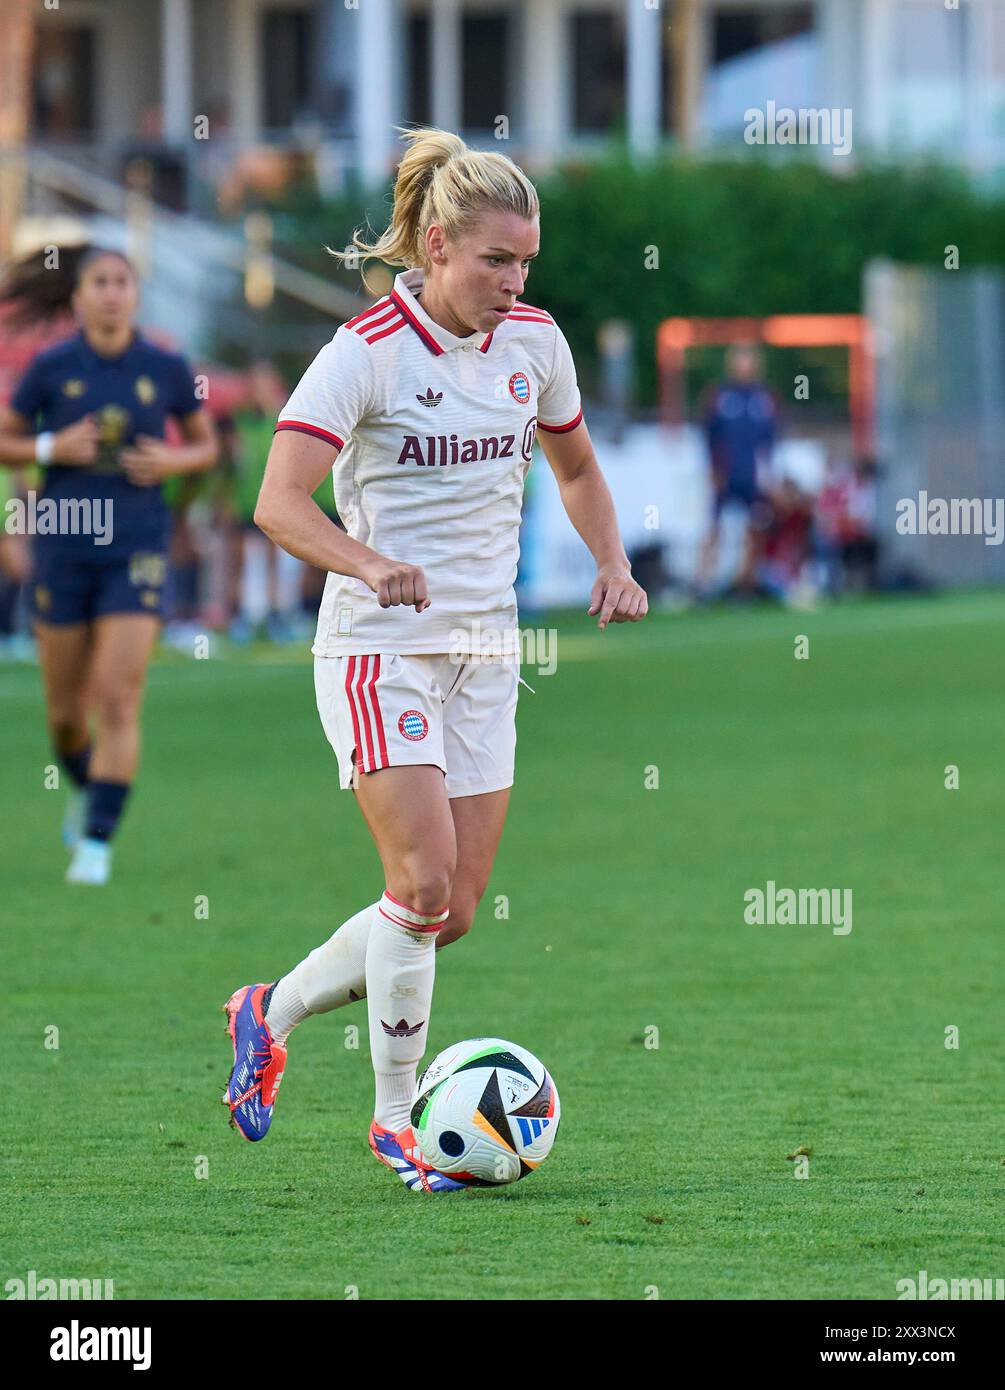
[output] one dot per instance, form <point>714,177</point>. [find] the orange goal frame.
<point>853,331</point>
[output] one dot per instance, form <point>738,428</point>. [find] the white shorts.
<point>388,710</point>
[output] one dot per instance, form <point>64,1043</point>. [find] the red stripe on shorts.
<point>365,715</point>
<point>350,672</point>
<point>377,717</point>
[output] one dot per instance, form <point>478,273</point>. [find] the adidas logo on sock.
<point>401,1028</point>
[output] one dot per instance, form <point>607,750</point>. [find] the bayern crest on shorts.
<point>413,725</point>
<point>519,387</point>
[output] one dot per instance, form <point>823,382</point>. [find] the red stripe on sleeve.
<point>560,429</point>
<point>304,428</point>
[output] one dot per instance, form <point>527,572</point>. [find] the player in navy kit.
<point>741,427</point>
<point>91,410</point>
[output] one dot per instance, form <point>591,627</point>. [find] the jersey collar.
<point>94,359</point>
<point>437,339</point>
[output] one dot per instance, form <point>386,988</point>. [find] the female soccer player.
<point>92,410</point>
<point>430,399</point>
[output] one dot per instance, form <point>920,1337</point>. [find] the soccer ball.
<point>485,1111</point>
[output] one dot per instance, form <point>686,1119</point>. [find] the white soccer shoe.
<point>91,862</point>
<point>73,820</point>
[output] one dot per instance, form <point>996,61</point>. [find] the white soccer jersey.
<point>435,435</point>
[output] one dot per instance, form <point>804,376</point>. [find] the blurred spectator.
<point>845,540</point>
<point>741,425</point>
<point>162,168</point>
<point>252,551</point>
<point>225,573</point>
<point>786,550</point>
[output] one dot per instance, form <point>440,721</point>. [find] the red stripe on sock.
<point>411,926</point>
<point>397,903</point>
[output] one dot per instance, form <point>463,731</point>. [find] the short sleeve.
<point>32,391</point>
<point>335,392</point>
<point>183,399</point>
<point>559,406</point>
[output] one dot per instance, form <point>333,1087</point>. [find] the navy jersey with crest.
<point>128,395</point>
<point>741,424</point>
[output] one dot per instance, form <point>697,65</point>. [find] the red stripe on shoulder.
<point>368,313</point>
<point>522,304</point>
<point>393,327</point>
<point>376,321</point>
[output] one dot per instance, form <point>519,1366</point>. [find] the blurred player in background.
<point>786,545</point>
<point>741,426</point>
<point>91,411</point>
<point>254,424</point>
<point>14,568</point>
<point>254,556</point>
<point>845,527</point>
<point>430,399</point>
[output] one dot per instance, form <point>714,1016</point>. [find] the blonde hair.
<point>441,180</point>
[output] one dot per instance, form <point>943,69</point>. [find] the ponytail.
<point>40,291</point>
<point>440,179</point>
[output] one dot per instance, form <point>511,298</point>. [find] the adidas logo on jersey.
<point>429,398</point>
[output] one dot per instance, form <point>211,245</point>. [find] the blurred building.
<point>110,77</point>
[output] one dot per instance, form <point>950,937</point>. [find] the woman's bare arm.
<point>286,512</point>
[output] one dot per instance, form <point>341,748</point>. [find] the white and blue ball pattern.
<point>486,1112</point>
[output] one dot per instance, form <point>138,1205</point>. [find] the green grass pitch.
<point>672,1174</point>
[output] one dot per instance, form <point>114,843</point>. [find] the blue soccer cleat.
<point>399,1153</point>
<point>259,1062</point>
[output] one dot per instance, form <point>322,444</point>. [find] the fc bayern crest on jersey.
<point>413,725</point>
<point>519,387</point>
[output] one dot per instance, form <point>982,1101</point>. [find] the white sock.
<point>332,975</point>
<point>400,968</point>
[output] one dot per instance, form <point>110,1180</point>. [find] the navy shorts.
<point>76,587</point>
<point>741,493</point>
